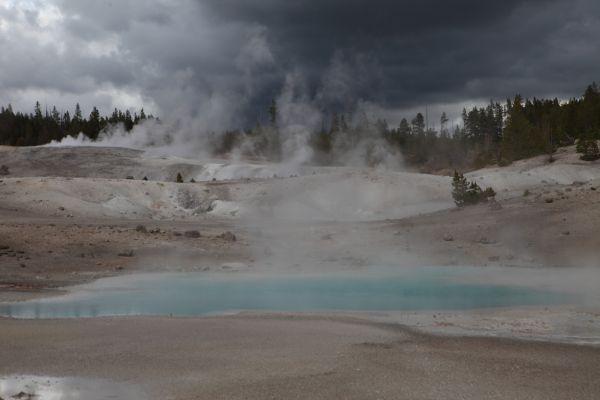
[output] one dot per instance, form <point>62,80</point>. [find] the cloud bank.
<point>221,61</point>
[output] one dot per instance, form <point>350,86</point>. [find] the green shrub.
<point>467,193</point>
<point>590,151</point>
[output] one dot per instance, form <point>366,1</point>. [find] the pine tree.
<point>93,125</point>
<point>444,125</point>
<point>459,189</point>
<point>38,111</point>
<point>404,128</point>
<point>520,138</point>
<point>128,120</point>
<point>55,115</point>
<point>114,118</point>
<point>66,120</point>
<point>418,125</point>
<point>467,193</point>
<point>77,117</point>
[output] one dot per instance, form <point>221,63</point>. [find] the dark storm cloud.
<point>233,55</point>
<point>436,51</point>
<point>373,18</point>
<point>312,30</point>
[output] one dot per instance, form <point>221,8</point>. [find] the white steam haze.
<point>184,130</point>
<point>191,113</point>
<point>190,129</point>
<point>349,205</point>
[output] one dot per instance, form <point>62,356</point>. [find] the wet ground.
<point>27,387</point>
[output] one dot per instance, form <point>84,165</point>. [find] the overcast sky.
<point>392,56</point>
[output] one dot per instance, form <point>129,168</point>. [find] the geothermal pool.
<point>49,388</point>
<point>192,294</point>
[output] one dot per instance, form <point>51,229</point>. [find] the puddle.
<point>26,387</point>
<point>192,294</point>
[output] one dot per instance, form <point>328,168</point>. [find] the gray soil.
<point>283,357</point>
<point>47,252</point>
<point>63,236</point>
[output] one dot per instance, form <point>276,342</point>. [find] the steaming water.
<point>202,294</point>
<point>49,388</point>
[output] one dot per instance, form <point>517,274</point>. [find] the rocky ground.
<point>316,357</point>
<point>49,247</point>
<point>69,216</point>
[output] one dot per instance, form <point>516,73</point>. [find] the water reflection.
<point>27,387</point>
<point>200,294</point>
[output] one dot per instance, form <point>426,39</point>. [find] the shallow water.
<point>48,388</point>
<point>189,294</point>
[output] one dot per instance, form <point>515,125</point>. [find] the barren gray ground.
<point>69,216</point>
<point>258,357</point>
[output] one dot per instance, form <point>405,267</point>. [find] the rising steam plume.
<point>192,131</point>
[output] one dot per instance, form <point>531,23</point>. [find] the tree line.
<point>494,134</point>
<point>42,127</point>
